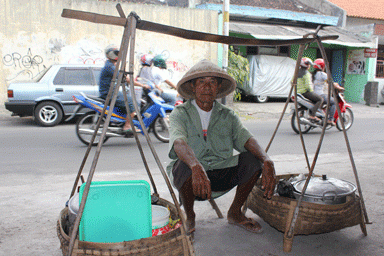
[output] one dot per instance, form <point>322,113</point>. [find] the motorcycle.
<point>154,113</point>
<point>307,124</point>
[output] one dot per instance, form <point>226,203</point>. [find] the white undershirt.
<point>204,117</point>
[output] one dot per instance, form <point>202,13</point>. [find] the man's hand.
<point>268,179</point>
<point>200,182</point>
<point>268,176</point>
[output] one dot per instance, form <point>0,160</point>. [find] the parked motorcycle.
<point>154,113</point>
<point>307,124</point>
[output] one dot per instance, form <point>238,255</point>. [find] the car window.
<point>60,77</point>
<point>71,76</point>
<point>96,73</point>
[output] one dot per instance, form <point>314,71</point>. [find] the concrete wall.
<point>33,35</point>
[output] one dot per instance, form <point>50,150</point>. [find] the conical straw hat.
<point>205,68</point>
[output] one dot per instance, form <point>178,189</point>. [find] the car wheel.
<point>261,99</point>
<point>48,113</point>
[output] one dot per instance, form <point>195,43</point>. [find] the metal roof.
<point>266,31</point>
<point>264,13</point>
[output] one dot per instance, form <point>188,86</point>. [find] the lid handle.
<point>332,197</point>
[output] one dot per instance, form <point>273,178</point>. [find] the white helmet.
<point>112,52</point>
<point>146,59</point>
<point>306,62</point>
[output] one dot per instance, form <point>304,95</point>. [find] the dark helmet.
<point>112,52</point>
<point>319,64</point>
<point>159,61</point>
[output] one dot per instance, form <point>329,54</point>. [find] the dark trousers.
<point>316,99</point>
<point>222,179</point>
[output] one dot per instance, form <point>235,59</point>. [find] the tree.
<point>238,68</point>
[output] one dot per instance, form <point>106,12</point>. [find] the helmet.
<point>146,59</point>
<point>319,64</point>
<point>306,62</point>
<point>159,61</point>
<point>111,52</point>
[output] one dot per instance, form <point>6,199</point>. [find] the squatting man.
<point>203,134</point>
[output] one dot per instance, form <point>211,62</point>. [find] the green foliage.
<point>238,68</point>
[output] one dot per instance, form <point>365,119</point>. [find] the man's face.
<point>206,89</point>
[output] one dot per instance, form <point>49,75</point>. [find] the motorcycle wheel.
<point>347,118</point>
<point>85,127</point>
<point>160,128</point>
<point>304,127</point>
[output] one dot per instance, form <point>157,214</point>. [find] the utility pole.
<point>225,46</point>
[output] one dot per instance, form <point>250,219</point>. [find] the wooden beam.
<point>184,33</point>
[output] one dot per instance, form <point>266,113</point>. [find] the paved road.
<point>39,166</point>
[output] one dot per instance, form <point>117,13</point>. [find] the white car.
<point>49,98</point>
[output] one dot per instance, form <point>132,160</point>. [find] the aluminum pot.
<point>323,190</point>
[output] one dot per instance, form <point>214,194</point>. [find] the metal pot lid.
<point>319,186</point>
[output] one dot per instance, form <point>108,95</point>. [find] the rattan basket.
<point>312,218</point>
<point>172,243</point>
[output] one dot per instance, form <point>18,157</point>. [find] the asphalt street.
<point>35,185</point>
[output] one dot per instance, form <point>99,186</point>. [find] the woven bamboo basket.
<point>312,218</point>
<point>172,243</point>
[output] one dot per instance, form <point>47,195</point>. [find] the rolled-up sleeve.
<point>178,130</point>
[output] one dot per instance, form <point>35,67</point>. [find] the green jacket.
<point>225,133</point>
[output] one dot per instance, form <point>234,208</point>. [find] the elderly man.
<point>203,136</point>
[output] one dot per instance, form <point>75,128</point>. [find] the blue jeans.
<point>167,97</point>
<point>121,105</point>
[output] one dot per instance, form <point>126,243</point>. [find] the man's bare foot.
<point>190,225</point>
<point>240,220</point>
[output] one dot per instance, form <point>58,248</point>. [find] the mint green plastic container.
<point>116,211</point>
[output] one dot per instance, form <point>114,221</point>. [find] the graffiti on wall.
<point>27,65</point>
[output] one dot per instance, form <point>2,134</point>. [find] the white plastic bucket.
<point>73,206</point>
<point>160,220</point>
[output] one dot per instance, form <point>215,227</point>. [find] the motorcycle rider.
<point>106,75</point>
<point>305,87</point>
<point>320,86</point>
<point>153,75</point>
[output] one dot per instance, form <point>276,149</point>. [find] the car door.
<point>73,80</point>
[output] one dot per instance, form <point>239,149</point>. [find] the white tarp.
<point>269,75</point>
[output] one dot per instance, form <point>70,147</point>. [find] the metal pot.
<point>323,190</point>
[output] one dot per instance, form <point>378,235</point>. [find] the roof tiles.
<point>373,9</point>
